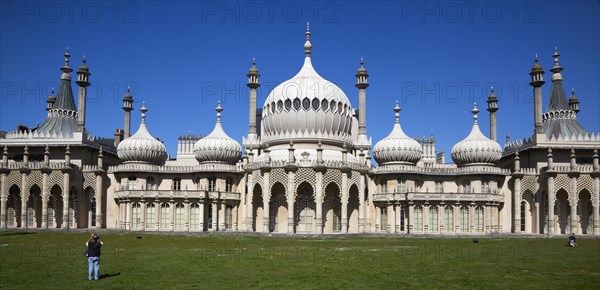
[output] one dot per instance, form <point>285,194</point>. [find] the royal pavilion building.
<point>305,167</point>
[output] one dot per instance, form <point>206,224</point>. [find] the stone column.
<point>596,202</point>
<point>391,218</point>
<point>377,219</point>
<point>517,206</point>
<point>266,194</point>
<point>442,218</point>
<point>143,213</point>
<point>202,205</point>
<point>222,224</point>
<point>573,202</point>
<point>551,224</point>
<point>66,192</point>
<point>249,205</point>
<point>45,196</point>
<point>361,204</point>
<point>3,199</point>
<point>344,196</point>
<point>186,214</point>
<point>234,218</point>
<point>128,216</point>
<point>99,204</point>
<point>319,202</point>
<point>472,218</point>
<point>411,212</point>
<point>215,215</point>
<point>290,200</point>
<point>24,197</point>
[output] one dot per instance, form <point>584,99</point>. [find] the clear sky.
<point>435,57</point>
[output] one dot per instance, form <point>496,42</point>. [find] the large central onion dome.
<point>142,147</point>
<point>307,107</point>
<point>217,146</point>
<point>397,147</point>
<point>476,148</point>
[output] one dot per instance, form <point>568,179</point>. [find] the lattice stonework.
<point>55,178</point>
<point>278,175</point>
<point>305,175</point>
<point>257,178</point>
<point>528,196</point>
<point>89,180</point>
<point>332,175</point>
<point>562,181</point>
<point>35,178</point>
<point>585,181</point>
<point>354,178</point>
<point>13,178</point>
<point>529,182</point>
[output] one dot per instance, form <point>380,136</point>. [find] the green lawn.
<point>54,260</point>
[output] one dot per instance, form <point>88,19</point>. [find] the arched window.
<point>464,219</point>
<point>402,217</point>
<point>229,184</point>
<point>212,183</point>
<point>479,221</point>
<point>229,217</point>
<point>150,185</point>
<point>383,220</point>
<point>449,218</point>
<point>150,216</point>
<point>165,220</point>
<point>194,216</point>
<point>135,215</point>
<point>131,182</point>
<point>176,183</point>
<point>418,224</point>
<point>466,185</point>
<point>402,185</point>
<point>179,217</point>
<point>433,219</point>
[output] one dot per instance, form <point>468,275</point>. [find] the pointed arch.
<point>562,211</point>
<point>257,208</point>
<point>332,209</point>
<point>34,207</point>
<point>353,205</point>
<point>278,208</point>
<point>585,212</point>
<point>304,209</point>
<point>55,207</point>
<point>13,207</point>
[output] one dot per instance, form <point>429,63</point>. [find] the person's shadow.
<point>104,276</point>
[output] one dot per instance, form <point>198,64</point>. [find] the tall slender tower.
<point>127,107</point>
<point>83,74</point>
<point>253,84</point>
<point>537,80</point>
<point>492,108</point>
<point>361,83</point>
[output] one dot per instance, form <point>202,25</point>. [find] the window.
<point>439,186</point>
<point>306,103</point>
<point>212,183</point>
<point>229,217</point>
<point>402,185</point>
<point>402,217</point>
<point>179,217</point>
<point>229,184</point>
<point>466,185</point>
<point>324,105</point>
<point>93,205</point>
<point>150,215</point>
<point>164,216</point>
<point>131,182</point>
<point>279,106</point>
<point>135,215</point>
<point>288,104</point>
<point>433,219</point>
<point>296,104</point>
<point>383,220</point>
<point>384,185</point>
<point>485,186</point>
<point>333,106</point>
<point>523,211</point>
<point>315,104</point>
<point>273,108</point>
<point>418,218</point>
<point>176,183</point>
<point>449,219</point>
<point>30,212</point>
<point>464,219</point>
<point>479,222</point>
<point>150,183</point>
<point>194,216</point>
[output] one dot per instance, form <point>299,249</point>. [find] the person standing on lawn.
<point>93,253</point>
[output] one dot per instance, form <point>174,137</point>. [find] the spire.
<point>556,69</point>
<point>66,69</point>
<point>475,111</point>
<point>397,112</point>
<point>362,76</point>
<point>307,44</point>
<point>219,109</point>
<point>143,109</point>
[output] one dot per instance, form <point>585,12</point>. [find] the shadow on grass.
<point>104,276</point>
<point>16,233</point>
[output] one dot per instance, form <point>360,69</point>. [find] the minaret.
<point>253,84</point>
<point>537,80</point>
<point>492,108</point>
<point>127,107</point>
<point>83,74</point>
<point>574,102</point>
<point>361,84</point>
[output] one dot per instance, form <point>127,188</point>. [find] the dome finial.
<point>67,55</point>
<point>219,109</point>
<point>143,109</point>
<point>66,69</point>
<point>254,61</point>
<point>307,44</point>
<point>475,111</point>
<point>397,112</point>
<point>536,57</point>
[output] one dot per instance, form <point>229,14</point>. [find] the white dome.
<point>307,107</point>
<point>476,148</point>
<point>142,147</point>
<point>397,147</point>
<point>217,146</point>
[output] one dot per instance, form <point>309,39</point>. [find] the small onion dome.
<point>397,147</point>
<point>83,66</point>
<point>142,147</point>
<point>476,148</point>
<point>217,146</point>
<point>536,66</point>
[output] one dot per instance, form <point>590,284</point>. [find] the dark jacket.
<point>94,249</point>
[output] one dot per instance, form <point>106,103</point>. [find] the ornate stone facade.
<point>304,167</point>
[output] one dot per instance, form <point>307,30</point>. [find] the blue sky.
<point>435,57</point>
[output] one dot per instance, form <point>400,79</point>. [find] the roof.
<point>559,119</point>
<point>57,121</point>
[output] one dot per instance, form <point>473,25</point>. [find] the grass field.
<point>54,260</point>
